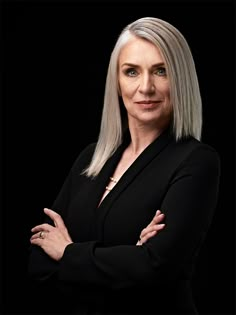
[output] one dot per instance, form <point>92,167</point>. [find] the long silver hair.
<point>184,88</point>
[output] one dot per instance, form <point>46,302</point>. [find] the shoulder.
<point>195,146</point>
<point>198,153</point>
<point>84,157</point>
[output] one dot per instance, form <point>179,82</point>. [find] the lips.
<point>148,104</point>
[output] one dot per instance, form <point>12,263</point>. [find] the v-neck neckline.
<point>142,159</point>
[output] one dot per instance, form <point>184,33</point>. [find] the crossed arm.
<point>54,239</point>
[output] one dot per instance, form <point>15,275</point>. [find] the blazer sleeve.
<point>40,266</point>
<point>189,205</point>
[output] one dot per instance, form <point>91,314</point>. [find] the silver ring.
<point>41,234</point>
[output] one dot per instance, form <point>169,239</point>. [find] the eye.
<point>161,71</point>
<point>131,72</point>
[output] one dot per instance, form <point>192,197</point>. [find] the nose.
<point>146,85</point>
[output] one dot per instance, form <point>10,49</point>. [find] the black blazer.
<point>103,271</point>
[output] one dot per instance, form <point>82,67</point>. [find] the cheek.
<point>127,90</point>
<point>166,93</point>
<point>165,89</point>
<point>168,106</point>
<point>127,87</point>
<point>168,109</point>
<point>121,87</point>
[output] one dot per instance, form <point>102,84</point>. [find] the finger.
<point>36,241</point>
<point>42,227</point>
<point>147,236</point>
<point>157,215</point>
<point>36,235</point>
<point>152,233</point>
<point>147,230</point>
<point>39,235</point>
<point>57,219</point>
<point>139,243</point>
<point>151,228</point>
<point>157,218</point>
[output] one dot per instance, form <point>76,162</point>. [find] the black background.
<point>54,67</point>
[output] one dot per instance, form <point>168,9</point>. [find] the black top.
<point>103,271</point>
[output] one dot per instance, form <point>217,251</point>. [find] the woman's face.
<point>144,85</point>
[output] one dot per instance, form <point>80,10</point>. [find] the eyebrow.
<point>135,66</point>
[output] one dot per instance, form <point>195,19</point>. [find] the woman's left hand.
<point>52,239</point>
<point>154,227</point>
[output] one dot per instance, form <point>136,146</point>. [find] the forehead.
<point>138,50</point>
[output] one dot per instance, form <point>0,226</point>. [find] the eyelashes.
<point>161,71</point>
<point>132,72</point>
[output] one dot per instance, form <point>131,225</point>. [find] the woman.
<point>148,156</point>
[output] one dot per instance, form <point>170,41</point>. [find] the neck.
<point>141,137</point>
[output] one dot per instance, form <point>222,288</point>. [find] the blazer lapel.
<point>138,165</point>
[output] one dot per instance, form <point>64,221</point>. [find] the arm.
<point>188,206</point>
<point>41,266</point>
<point>53,239</point>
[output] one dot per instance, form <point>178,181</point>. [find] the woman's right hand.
<point>152,229</point>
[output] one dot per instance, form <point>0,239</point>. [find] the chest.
<point>123,212</point>
<point>123,165</point>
